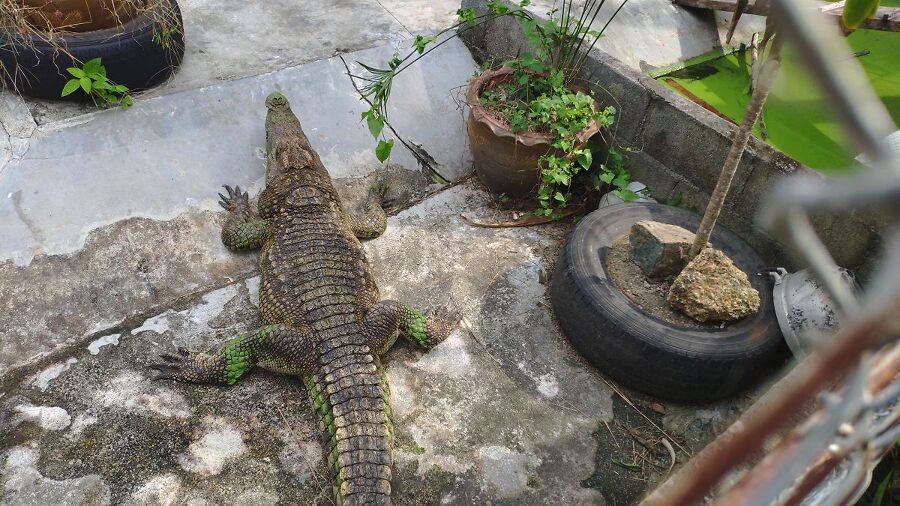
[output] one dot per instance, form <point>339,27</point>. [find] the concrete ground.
<point>110,253</point>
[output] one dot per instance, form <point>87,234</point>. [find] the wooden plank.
<point>885,19</point>
<point>723,5</point>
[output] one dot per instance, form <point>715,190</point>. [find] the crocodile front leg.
<point>244,230</point>
<point>385,319</point>
<point>280,348</point>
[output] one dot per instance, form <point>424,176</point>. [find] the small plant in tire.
<point>91,79</point>
<point>141,43</point>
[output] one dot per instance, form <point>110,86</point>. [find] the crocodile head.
<point>286,144</point>
<point>277,102</point>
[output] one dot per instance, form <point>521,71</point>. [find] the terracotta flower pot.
<point>507,162</point>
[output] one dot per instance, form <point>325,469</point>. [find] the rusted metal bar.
<point>885,369</point>
<point>745,437</point>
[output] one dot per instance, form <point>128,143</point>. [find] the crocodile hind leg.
<point>385,319</point>
<point>279,348</point>
<point>243,230</point>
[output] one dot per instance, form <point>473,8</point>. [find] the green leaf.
<point>560,197</point>
<point>626,195</point>
<point>882,488</point>
<point>127,102</point>
<point>121,88</point>
<point>857,11</point>
<point>383,151</point>
<point>77,72</point>
<point>466,15</point>
<point>395,61</point>
<point>92,66</point>
<point>497,7</point>
<point>376,124</point>
<point>101,85</point>
<point>70,87</point>
<point>421,42</point>
<point>85,84</point>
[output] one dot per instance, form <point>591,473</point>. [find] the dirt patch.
<point>648,294</point>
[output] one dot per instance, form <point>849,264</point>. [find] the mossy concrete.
<point>504,411</point>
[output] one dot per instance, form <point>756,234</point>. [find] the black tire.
<point>37,68</point>
<point>641,351</point>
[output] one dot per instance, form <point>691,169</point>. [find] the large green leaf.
<point>70,87</point>
<point>375,123</point>
<point>857,11</point>
<point>383,151</point>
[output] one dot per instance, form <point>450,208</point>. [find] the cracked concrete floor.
<point>502,412</point>
<point>111,253</point>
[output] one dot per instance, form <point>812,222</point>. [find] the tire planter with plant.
<point>140,53</point>
<point>641,351</point>
<point>507,161</point>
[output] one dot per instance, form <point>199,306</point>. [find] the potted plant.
<point>102,47</point>
<point>529,121</point>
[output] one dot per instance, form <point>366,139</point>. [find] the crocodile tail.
<point>352,399</point>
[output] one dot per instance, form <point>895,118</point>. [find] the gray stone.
<point>712,288</point>
<point>660,249</point>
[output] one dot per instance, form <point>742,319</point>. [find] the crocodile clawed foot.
<point>177,366</point>
<point>236,200</point>
<point>439,323</point>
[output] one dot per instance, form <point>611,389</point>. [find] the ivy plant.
<point>91,79</point>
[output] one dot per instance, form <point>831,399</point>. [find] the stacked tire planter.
<point>645,353</point>
<point>36,67</point>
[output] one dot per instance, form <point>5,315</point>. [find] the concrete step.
<point>94,198</point>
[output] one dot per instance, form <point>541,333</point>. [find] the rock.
<point>712,288</point>
<point>659,248</point>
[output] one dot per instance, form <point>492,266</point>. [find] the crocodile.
<point>320,305</point>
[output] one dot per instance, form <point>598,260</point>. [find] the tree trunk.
<point>760,93</point>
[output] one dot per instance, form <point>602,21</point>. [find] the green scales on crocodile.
<point>318,298</point>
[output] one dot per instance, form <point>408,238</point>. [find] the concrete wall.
<point>678,149</point>
<point>648,34</point>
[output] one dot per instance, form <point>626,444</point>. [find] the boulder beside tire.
<point>36,67</point>
<point>641,351</point>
